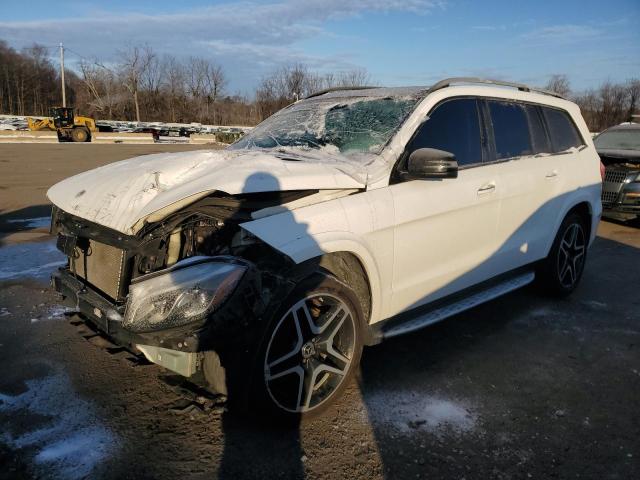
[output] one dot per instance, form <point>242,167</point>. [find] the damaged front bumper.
<point>181,348</point>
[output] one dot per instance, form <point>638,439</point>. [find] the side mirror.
<point>432,163</point>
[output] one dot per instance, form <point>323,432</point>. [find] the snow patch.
<point>37,222</point>
<point>406,410</point>
<point>58,311</point>
<point>55,312</point>
<point>73,441</point>
<point>595,304</point>
<point>36,259</point>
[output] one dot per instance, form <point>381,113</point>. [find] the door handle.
<point>552,174</point>
<point>488,188</point>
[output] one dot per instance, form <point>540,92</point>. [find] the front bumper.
<point>180,349</point>
<point>627,204</point>
<point>107,317</point>
<point>621,192</point>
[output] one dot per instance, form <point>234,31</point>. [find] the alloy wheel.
<point>571,255</point>
<point>310,352</point>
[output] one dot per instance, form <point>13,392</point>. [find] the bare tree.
<point>610,104</point>
<point>215,81</point>
<point>174,84</point>
<point>559,84</point>
<point>104,89</point>
<point>354,78</point>
<point>136,62</point>
<point>633,87</point>
<point>589,102</point>
<point>290,83</point>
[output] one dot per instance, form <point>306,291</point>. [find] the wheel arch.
<point>586,209</point>
<point>348,268</point>
<point>347,257</point>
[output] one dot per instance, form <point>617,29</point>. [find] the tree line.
<point>145,86</point>
<point>609,104</point>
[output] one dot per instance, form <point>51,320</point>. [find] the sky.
<point>399,42</point>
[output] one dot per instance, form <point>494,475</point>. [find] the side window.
<point>538,133</point>
<point>453,126</point>
<point>510,129</point>
<point>562,131</point>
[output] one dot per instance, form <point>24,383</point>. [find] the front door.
<point>444,238</point>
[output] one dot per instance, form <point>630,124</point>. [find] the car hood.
<point>122,194</point>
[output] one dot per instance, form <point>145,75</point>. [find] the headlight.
<point>187,292</point>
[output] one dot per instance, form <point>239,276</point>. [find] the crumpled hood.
<point>121,194</point>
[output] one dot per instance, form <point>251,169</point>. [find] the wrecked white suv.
<point>351,216</point>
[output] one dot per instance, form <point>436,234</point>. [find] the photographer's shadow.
<point>256,445</point>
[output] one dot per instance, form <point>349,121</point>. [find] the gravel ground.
<point>522,387</point>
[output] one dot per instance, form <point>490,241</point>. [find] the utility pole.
<point>64,96</point>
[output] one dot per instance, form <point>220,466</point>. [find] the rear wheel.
<point>311,350</point>
<point>79,134</point>
<point>562,270</point>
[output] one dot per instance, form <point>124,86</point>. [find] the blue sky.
<point>400,42</point>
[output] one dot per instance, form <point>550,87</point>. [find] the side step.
<point>462,304</point>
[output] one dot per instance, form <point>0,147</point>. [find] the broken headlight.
<point>189,291</point>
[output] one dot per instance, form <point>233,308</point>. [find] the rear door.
<point>530,180</point>
<point>444,237</point>
<point>537,163</point>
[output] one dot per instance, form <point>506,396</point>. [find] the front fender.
<point>303,246</point>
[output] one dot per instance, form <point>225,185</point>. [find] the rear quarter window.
<point>562,131</point>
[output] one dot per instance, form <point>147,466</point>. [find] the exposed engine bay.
<point>209,227</point>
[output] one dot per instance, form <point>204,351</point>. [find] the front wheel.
<point>311,349</point>
<point>79,135</point>
<point>562,270</point>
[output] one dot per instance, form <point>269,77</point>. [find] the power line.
<point>92,62</point>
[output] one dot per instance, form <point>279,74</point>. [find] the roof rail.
<point>337,89</point>
<point>520,86</point>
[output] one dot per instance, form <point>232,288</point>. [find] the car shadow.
<point>442,401</point>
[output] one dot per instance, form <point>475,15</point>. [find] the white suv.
<point>351,216</point>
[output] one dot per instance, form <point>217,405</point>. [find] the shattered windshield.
<point>348,125</point>
<point>619,140</point>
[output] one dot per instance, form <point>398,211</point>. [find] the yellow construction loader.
<point>70,128</point>
<point>39,124</point>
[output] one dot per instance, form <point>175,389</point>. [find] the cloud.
<point>237,34</point>
<point>563,33</point>
<point>278,23</point>
<point>489,28</point>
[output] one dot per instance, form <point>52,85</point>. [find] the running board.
<point>460,305</point>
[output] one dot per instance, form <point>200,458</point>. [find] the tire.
<point>560,273</point>
<point>310,350</point>
<point>79,135</point>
